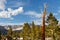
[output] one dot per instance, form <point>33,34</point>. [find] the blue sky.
<point>20,11</point>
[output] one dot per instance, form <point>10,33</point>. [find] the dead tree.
<point>43,23</point>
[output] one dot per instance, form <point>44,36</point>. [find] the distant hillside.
<point>17,28</point>
<point>14,27</point>
<point>3,30</point>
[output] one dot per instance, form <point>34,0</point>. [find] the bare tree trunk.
<point>43,23</point>
<point>43,29</point>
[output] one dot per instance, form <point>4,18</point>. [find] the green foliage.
<point>51,20</point>
<point>21,34</point>
<point>52,24</point>
<point>10,33</point>
<point>37,33</point>
<point>26,31</point>
<point>3,37</point>
<point>33,31</point>
<point>48,32</point>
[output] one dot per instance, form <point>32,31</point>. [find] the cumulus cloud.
<point>10,12</point>
<point>16,11</point>
<point>33,14</point>
<point>2,4</point>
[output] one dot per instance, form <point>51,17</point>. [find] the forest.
<point>34,32</point>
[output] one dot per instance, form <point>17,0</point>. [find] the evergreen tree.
<point>57,33</point>
<point>3,37</point>
<point>51,20</point>
<point>37,35</point>
<point>33,31</point>
<point>9,33</point>
<point>52,23</point>
<point>40,32</point>
<point>21,34</point>
<point>48,32</point>
<point>26,31</point>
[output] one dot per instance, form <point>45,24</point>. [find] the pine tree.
<point>51,20</point>
<point>33,31</point>
<point>9,33</point>
<point>52,23</point>
<point>37,35</point>
<point>26,31</point>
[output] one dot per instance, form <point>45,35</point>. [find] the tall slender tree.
<point>52,23</point>
<point>37,34</point>
<point>9,33</point>
<point>33,31</point>
<point>26,31</point>
<point>43,23</point>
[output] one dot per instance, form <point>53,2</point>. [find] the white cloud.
<point>16,11</point>
<point>10,12</point>
<point>38,21</point>
<point>33,14</point>
<point>2,4</point>
<point>36,17</point>
<point>2,23</point>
